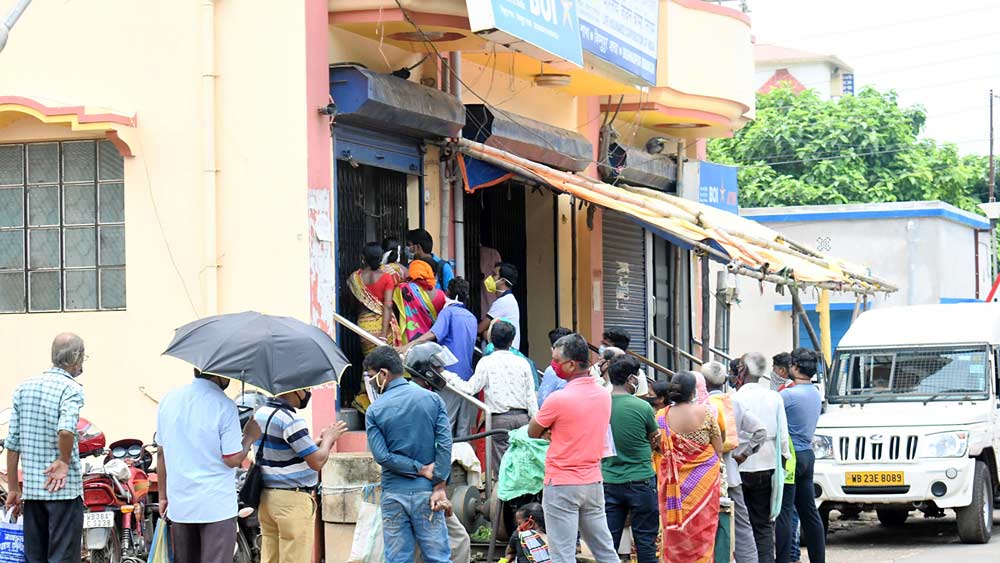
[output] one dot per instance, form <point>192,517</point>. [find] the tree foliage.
<point>802,150</point>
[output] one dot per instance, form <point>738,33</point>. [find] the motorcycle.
<point>248,537</point>
<point>118,518</point>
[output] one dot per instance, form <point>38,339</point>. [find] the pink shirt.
<point>578,416</point>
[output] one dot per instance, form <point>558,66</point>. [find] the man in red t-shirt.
<point>577,417</point>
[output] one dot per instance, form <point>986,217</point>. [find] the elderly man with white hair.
<point>744,436</point>
<point>758,472</point>
<point>42,439</point>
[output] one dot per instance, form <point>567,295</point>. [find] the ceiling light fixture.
<point>552,80</point>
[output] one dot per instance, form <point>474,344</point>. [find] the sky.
<point>942,55</point>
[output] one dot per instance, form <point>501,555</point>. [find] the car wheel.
<point>975,522</point>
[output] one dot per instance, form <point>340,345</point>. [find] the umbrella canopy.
<point>275,354</point>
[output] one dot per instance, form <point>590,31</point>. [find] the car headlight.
<point>822,446</point>
<point>945,444</point>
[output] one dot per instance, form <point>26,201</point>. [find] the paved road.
<point>921,540</point>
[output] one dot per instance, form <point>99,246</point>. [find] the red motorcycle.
<point>118,522</point>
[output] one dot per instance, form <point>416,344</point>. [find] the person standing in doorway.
<point>420,245</point>
<point>373,288</point>
<point>629,478</point>
<point>758,471</point>
<point>744,436</point>
<point>803,405</point>
<point>505,307</point>
<point>578,419</point>
<point>410,438</point>
<point>42,434</point>
<point>290,462</point>
<point>200,447</point>
<point>455,329</point>
<point>550,381</point>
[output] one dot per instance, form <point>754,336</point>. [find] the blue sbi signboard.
<point>717,186</point>
<point>550,25</point>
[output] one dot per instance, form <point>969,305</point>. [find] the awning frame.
<point>689,213</point>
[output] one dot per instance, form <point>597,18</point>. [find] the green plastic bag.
<point>160,551</point>
<point>522,469</point>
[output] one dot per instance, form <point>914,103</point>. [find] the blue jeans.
<point>800,498</point>
<point>638,499</point>
<point>407,521</point>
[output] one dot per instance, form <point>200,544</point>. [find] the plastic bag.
<point>367,546</point>
<point>160,551</point>
<point>522,469</point>
<point>11,539</point>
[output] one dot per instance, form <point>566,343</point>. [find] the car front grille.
<point>876,448</point>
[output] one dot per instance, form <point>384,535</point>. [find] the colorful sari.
<point>396,270</point>
<point>414,301</point>
<point>370,319</point>
<point>690,477</point>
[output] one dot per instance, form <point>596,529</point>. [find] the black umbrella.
<point>276,354</point>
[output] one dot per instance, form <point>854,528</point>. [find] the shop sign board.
<point>717,186</point>
<point>622,33</point>
<point>543,29</point>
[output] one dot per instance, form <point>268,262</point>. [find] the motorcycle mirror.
<point>5,416</point>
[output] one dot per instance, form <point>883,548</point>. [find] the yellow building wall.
<point>145,60</point>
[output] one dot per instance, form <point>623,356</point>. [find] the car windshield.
<point>919,374</point>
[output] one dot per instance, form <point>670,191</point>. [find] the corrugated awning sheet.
<point>746,246</point>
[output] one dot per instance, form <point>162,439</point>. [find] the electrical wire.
<point>159,224</point>
<point>851,155</point>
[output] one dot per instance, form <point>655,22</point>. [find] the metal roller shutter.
<point>625,278</point>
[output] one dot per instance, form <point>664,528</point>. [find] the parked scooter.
<point>248,535</point>
<point>117,523</point>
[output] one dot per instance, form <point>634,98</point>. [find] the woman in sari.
<point>373,290</point>
<point>391,252</point>
<point>689,472</point>
<point>418,301</point>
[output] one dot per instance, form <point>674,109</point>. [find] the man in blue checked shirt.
<point>410,437</point>
<point>43,435</point>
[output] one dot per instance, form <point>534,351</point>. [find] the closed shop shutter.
<point>625,278</point>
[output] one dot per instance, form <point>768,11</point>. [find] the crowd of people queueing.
<point>657,461</point>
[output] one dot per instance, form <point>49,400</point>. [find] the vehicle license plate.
<point>98,520</point>
<point>874,478</point>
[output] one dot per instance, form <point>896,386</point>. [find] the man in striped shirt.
<point>290,461</point>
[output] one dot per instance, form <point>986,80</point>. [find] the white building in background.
<point>932,251</point>
<point>826,74</point>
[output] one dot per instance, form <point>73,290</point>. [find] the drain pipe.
<point>210,272</point>
<point>444,239</point>
<point>912,239</point>
<point>458,192</point>
<point>8,23</point>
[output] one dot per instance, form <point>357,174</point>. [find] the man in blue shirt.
<point>200,447</point>
<point>410,437</point>
<point>43,436</point>
<point>550,381</point>
<point>420,244</point>
<point>803,405</point>
<point>455,329</point>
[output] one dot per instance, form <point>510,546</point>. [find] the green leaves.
<point>802,150</point>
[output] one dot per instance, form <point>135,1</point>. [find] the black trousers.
<point>757,494</point>
<point>639,499</point>
<point>53,531</point>
<point>803,499</point>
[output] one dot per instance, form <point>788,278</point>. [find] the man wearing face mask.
<point>502,283</point>
<point>629,478</point>
<point>200,447</point>
<point>290,462</point>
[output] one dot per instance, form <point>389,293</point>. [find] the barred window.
<point>62,227</point>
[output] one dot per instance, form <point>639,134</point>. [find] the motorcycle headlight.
<point>823,447</point>
<point>945,444</point>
